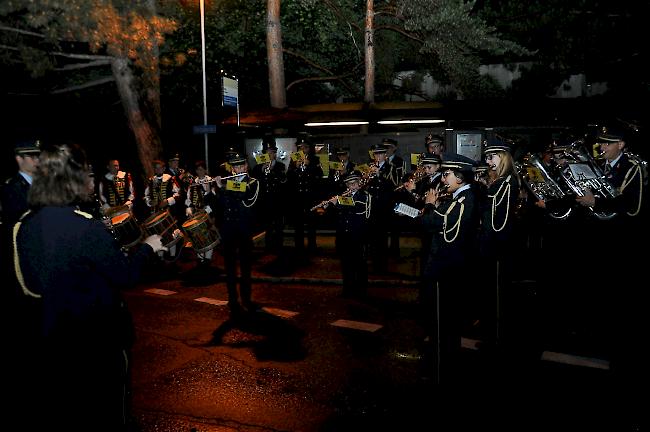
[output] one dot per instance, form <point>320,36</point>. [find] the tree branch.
<point>83,65</point>
<point>341,16</point>
<point>84,86</point>
<point>25,32</point>
<point>400,31</point>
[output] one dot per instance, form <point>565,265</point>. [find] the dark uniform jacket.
<point>626,177</point>
<point>498,208</point>
<point>381,189</point>
<point>335,183</point>
<point>272,184</point>
<point>352,221</point>
<point>396,170</point>
<point>304,184</point>
<point>455,225</point>
<point>73,263</point>
<point>14,200</point>
<point>235,210</point>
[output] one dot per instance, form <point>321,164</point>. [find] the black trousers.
<point>238,248</point>
<point>354,264</point>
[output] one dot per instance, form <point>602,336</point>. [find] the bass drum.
<point>163,224</point>
<point>124,225</point>
<point>201,232</point>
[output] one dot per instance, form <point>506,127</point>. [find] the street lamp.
<point>205,102</point>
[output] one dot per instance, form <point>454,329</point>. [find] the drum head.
<point>155,218</point>
<point>117,210</point>
<point>120,218</point>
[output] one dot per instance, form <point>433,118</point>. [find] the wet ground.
<point>295,366</point>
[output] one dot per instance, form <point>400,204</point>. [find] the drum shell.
<point>163,224</point>
<point>124,225</point>
<point>200,230</point>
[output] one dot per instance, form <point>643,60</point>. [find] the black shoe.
<point>250,307</point>
<point>235,309</point>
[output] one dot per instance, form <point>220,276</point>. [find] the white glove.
<point>208,210</point>
<point>188,211</point>
<point>129,204</point>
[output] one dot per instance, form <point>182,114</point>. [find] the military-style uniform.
<point>236,221</point>
<point>381,188</point>
<point>303,186</point>
<point>159,188</point>
<point>116,190</point>
<point>351,236</point>
<point>455,224</point>
<point>496,243</point>
<point>71,265</point>
<point>273,179</point>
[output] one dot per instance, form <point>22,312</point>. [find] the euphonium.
<point>581,172</point>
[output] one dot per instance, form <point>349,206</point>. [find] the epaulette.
<point>84,214</point>
<point>461,199</point>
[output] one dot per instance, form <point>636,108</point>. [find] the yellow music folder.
<point>336,165</point>
<point>415,158</point>
<point>296,156</point>
<point>262,158</point>
<point>345,200</point>
<point>236,186</point>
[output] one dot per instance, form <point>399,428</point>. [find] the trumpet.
<point>418,175</point>
<point>267,168</point>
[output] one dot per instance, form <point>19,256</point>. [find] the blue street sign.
<point>204,129</point>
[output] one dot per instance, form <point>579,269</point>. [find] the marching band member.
<point>619,306</point>
<point>201,196</point>
<point>183,179</point>
<point>353,212</point>
<point>272,176</point>
<point>69,262</point>
<point>431,166</point>
<point>455,223</point>
<point>162,192</point>
<point>116,187</point>
<point>496,234</point>
<point>236,221</point>
<point>304,185</point>
<point>434,144</point>
<point>336,177</point>
<point>381,188</point>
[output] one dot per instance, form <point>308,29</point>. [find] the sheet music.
<point>407,210</point>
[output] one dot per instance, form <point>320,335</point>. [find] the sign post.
<point>230,93</point>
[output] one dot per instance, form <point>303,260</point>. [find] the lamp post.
<point>205,103</point>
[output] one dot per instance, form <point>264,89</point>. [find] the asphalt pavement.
<point>310,360</point>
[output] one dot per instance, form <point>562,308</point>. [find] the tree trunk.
<point>153,89</point>
<point>277,90</point>
<point>148,142</point>
<point>369,95</point>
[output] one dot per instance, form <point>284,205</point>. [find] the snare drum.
<point>199,229</point>
<point>124,225</point>
<point>163,224</point>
